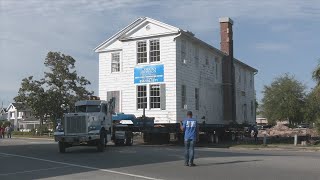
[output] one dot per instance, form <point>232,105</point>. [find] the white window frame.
<point>251,80</point>
<point>196,96</point>
<point>252,107</point>
<point>183,97</point>
<point>245,79</point>
<point>145,52</point>
<point>148,52</point>
<point>183,51</point>
<point>206,59</point>
<point>116,63</point>
<point>142,97</point>
<point>196,54</point>
<point>154,96</point>
<point>157,50</point>
<point>217,74</point>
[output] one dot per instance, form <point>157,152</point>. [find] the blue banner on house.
<point>148,74</point>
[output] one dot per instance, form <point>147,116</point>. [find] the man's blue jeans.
<point>189,151</point>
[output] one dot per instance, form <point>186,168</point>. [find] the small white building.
<point>21,117</point>
<point>3,114</point>
<point>169,71</point>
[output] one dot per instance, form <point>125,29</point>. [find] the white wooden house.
<point>169,71</point>
<point>21,117</point>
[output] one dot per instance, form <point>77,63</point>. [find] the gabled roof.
<point>19,106</point>
<point>3,110</point>
<point>121,35</point>
<point>135,24</point>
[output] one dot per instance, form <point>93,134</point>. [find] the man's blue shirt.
<point>190,128</point>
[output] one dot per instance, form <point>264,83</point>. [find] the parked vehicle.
<point>303,125</point>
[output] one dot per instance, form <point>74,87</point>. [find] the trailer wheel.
<point>211,138</point>
<point>146,137</point>
<point>62,147</point>
<point>129,139</point>
<point>101,144</point>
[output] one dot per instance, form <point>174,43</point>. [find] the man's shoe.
<point>186,164</point>
<point>192,165</point>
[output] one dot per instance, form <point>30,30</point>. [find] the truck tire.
<point>146,137</point>
<point>119,142</point>
<point>62,147</point>
<point>211,138</point>
<point>101,144</point>
<point>129,140</point>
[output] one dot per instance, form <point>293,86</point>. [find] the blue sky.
<point>275,37</point>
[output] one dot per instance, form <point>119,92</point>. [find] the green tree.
<point>284,99</point>
<point>316,74</point>
<point>313,110</point>
<point>312,106</point>
<point>61,86</point>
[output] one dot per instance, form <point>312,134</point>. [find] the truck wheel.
<point>146,137</point>
<point>119,142</point>
<point>62,147</point>
<point>101,142</point>
<point>211,138</point>
<point>129,141</point>
<point>166,138</point>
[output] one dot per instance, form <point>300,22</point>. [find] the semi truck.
<point>94,124</point>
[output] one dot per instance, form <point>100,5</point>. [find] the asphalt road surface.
<point>25,159</point>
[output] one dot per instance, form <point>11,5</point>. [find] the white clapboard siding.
<point>192,73</point>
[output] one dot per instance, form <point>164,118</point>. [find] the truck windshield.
<point>88,108</point>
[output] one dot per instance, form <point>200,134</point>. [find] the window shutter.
<point>163,96</point>
<point>116,95</point>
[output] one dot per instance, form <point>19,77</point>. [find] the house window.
<point>183,51</point>
<point>12,114</point>
<point>183,97</point>
<point>245,79</point>
<point>252,108</point>
<point>115,62</point>
<point>141,97</point>
<point>196,94</point>
<point>154,50</point>
<point>155,96</point>
<point>196,55</point>
<point>216,70</point>
<point>251,80</point>
<point>142,52</point>
<point>207,59</point>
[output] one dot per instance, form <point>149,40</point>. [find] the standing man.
<point>190,128</point>
<point>9,131</point>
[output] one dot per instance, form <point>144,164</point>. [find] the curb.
<point>304,149</point>
<point>33,138</point>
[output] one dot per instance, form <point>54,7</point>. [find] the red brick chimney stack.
<point>226,45</point>
<point>226,35</point>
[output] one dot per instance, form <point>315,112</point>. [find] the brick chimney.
<point>228,79</point>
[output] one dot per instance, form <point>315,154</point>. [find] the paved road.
<point>39,159</point>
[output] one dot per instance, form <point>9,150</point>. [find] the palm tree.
<point>316,74</point>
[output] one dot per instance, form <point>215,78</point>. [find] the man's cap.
<point>189,113</point>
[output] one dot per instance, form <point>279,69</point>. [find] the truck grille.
<point>75,125</point>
